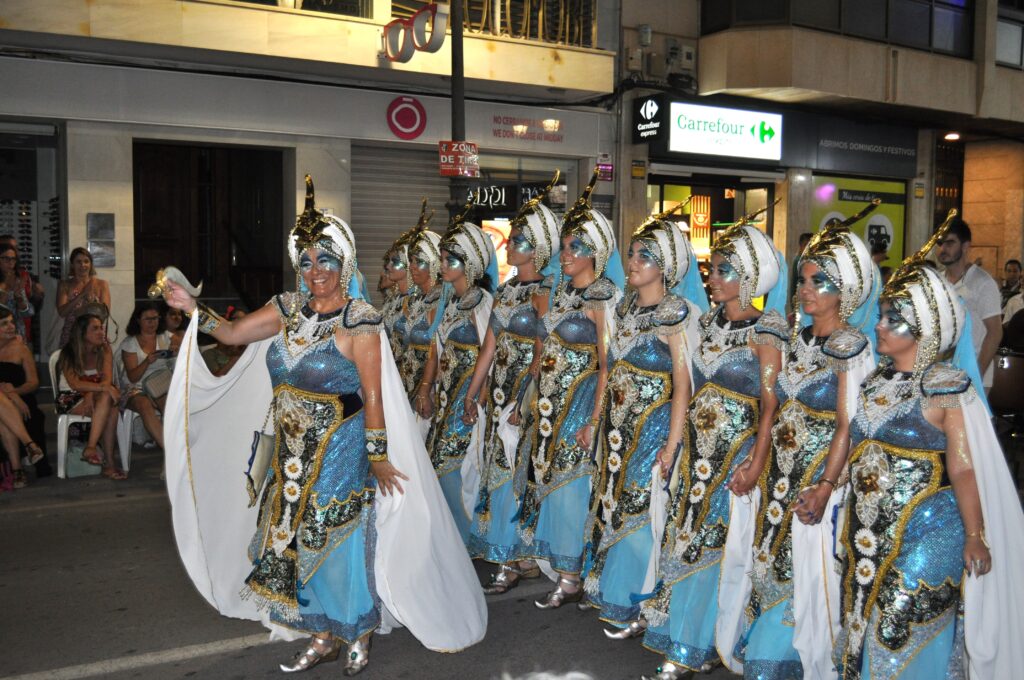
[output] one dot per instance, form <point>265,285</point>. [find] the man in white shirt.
<point>979,291</point>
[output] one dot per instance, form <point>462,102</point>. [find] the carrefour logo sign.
<point>718,131</point>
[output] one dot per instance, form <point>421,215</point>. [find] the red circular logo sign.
<point>406,117</point>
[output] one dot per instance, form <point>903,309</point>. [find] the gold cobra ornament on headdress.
<point>519,221</point>
<point>309,227</point>
<point>653,221</point>
<point>580,210</point>
<point>724,240</point>
<point>460,216</point>
<point>830,236</point>
<point>898,285</point>
<point>409,237</point>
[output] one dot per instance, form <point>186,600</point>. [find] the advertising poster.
<point>842,196</point>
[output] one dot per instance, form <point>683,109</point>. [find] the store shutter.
<point>388,184</point>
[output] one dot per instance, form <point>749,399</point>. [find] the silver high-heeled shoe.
<point>559,596</point>
<point>670,671</point>
<point>634,629</point>
<point>311,656</point>
<point>358,656</point>
<point>505,580</point>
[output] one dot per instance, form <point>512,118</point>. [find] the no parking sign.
<point>406,117</point>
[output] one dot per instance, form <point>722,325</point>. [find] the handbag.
<point>157,383</point>
<point>263,446</point>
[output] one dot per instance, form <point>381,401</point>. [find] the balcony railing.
<point>564,22</point>
<point>942,26</point>
<point>350,8</point>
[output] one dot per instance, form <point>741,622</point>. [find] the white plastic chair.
<point>64,420</point>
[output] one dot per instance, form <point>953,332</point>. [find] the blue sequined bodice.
<point>321,369</point>
<point>807,376</point>
<point>725,357</point>
<point>900,421</point>
<point>419,334</point>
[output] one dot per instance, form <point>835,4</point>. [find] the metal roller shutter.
<point>388,184</point>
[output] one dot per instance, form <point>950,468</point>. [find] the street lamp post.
<point>458,186</point>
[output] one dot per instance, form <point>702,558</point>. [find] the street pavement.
<point>92,587</point>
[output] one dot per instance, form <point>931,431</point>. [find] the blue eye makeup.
<point>822,284</point>
<point>521,244</point>
<point>453,262</point>
<point>323,262</point>
<point>578,248</point>
<point>727,272</point>
<point>421,263</point>
<point>396,263</point>
<point>892,320</point>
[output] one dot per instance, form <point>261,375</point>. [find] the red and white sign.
<point>406,117</point>
<point>402,37</point>
<point>459,159</point>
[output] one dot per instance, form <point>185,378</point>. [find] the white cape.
<point>994,603</point>
<point>424,578</point>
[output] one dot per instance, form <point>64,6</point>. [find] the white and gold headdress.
<point>753,255</point>
<point>540,226</point>
<point>314,229</point>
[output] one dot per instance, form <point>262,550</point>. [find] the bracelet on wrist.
<point>209,320</point>
<point>826,480</point>
<point>376,444</point>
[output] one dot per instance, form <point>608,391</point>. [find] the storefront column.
<point>631,193</point>
<point>921,208</point>
<point>793,213</point>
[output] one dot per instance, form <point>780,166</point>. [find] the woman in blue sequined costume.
<point>916,524</point>
<point>510,360</point>
<point>316,558</point>
<point>560,434</point>
<point>424,254</point>
<point>729,427</point>
<point>649,386</point>
<point>792,614</point>
<point>468,268</point>
<point>398,269</point>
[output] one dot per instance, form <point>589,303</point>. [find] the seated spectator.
<point>87,388</point>
<point>82,292</point>
<point>147,352</point>
<point>33,289</point>
<point>174,324</point>
<point>13,294</point>
<point>1011,280</point>
<point>220,358</point>
<point>19,381</point>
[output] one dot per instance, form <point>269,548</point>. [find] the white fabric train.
<point>424,578</point>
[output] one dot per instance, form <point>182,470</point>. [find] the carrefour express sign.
<point>718,131</point>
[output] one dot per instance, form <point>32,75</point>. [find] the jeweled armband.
<point>376,444</point>
<point>209,320</point>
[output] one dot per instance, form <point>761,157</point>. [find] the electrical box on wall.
<point>634,59</point>
<point>681,55</point>
<point>657,67</point>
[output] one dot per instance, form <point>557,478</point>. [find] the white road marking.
<point>136,661</point>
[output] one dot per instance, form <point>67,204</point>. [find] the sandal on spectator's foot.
<point>35,453</point>
<point>320,650</point>
<point>20,479</point>
<point>114,473</point>
<point>91,455</point>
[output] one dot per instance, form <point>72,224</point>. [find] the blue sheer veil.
<point>692,287</point>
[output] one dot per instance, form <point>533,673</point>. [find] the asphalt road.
<point>92,587</point>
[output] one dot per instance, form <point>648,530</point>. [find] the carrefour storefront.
<point>730,158</point>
